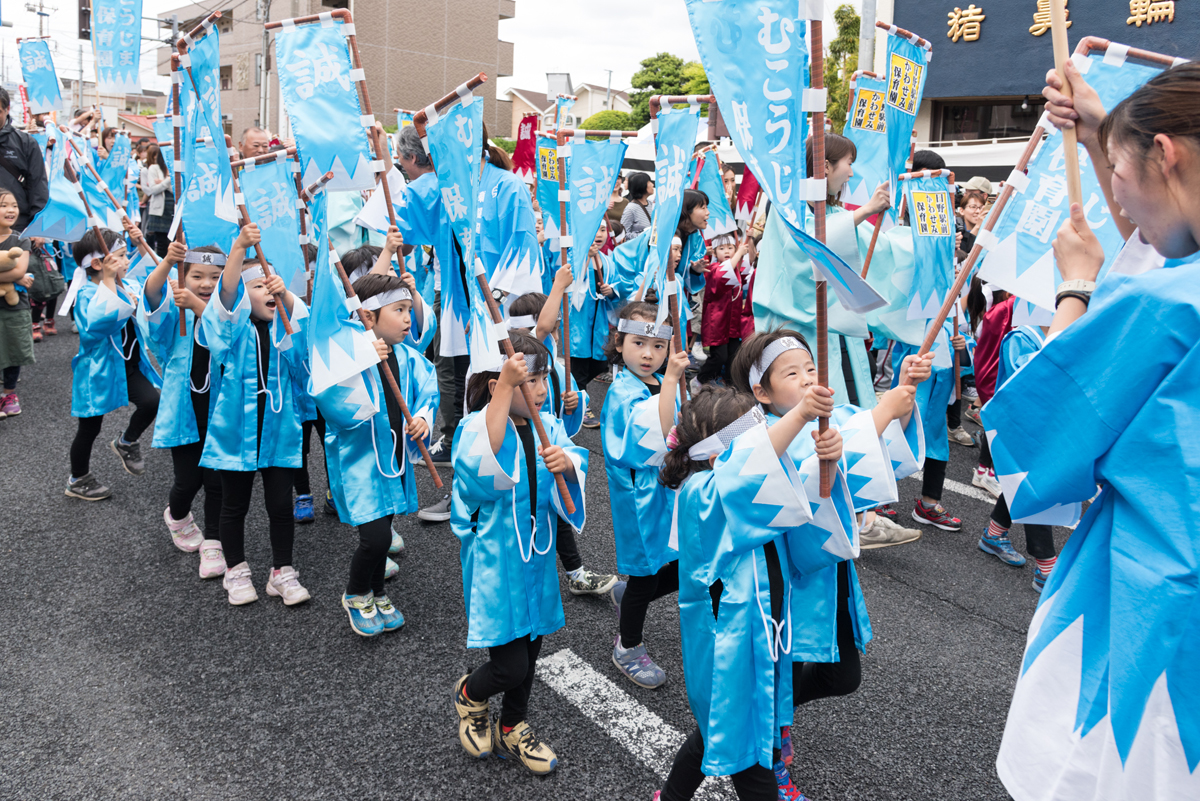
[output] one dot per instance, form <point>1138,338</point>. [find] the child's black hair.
<point>691,199</point>
<point>184,266</point>
<point>478,393</point>
<point>376,283</point>
<point>310,254</point>
<point>90,243</point>
<point>367,255</point>
<point>750,351</point>
<point>530,304</point>
<point>636,310</point>
<point>709,410</point>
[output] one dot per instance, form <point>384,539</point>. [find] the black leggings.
<point>452,403</point>
<point>43,308</point>
<point>954,414</point>
<point>1039,538</point>
<point>584,371</point>
<point>303,487</point>
<point>369,562</point>
<point>755,783</point>
<point>813,680</point>
<point>509,670</point>
<point>568,549</point>
<point>720,357</point>
<point>237,487</point>
<point>935,478</point>
<point>143,396</point>
<point>639,592</point>
<point>189,478</point>
<point>11,374</point>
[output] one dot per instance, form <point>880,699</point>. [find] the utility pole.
<point>42,13</point>
<point>866,36</point>
<point>264,14</point>
<point>608,94</point>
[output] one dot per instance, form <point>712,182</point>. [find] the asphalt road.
<point>122,675</point>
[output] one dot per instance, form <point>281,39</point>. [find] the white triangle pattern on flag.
<point>341,364</point>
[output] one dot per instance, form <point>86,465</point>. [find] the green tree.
<point>661,74</point>
<point>841,61</point>
<point>695,80</point>
<point>609,121</point>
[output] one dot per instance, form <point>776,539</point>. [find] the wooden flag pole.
<point>244,214</point>
<point>419,121</point>
<point>177,155</point>
<point>140,242</point>
<point>73,177</point>
<point>1058,30</point>
<point>822,303</point>
<point>564,243</point>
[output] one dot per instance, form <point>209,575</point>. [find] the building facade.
<point>413,53</point>
<point>589,99</point>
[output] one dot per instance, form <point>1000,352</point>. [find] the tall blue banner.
<point>906,67</point>
<point>562,109</point>
<point>1021,260</point>
<point>866,127</point>
<point>41,81</point>
<point>455,140</point>
<point>117,41</point>
<point>270,193</point>
<point>673,143</point>
<point>204,221</point>
<point>591,173</point>
<point>547,188</point>
<point>317,79</point>
<point>931,216</point>
<point>64,217</point>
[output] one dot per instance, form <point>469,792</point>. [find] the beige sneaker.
<point>884,532</point>
<point>474,730</point>
<point>285,583</point>
<point>523,747</point>
<point>239,586</point>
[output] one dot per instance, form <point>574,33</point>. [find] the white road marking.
<point>649,738</point>
<point>961,489</point>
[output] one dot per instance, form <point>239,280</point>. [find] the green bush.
<point>509,146</point>
<point>609,121</point>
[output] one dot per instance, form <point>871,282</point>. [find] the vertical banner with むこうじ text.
<point>117,42</point>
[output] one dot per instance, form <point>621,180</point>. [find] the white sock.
<point>576,574</point>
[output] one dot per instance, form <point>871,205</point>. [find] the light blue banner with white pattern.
<point>117,41</point>
<point>41,81</point>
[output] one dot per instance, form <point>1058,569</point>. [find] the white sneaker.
<point>285,583</point>
<point>884,532</point>
<point>239,586</point>
<point>397,541</point>
<point>985,478</point>
<point>184,533</point>
<point>212,559</point>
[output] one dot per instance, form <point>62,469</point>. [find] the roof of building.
<point>536,97</point>
<point>597,88</point>
<point>145,125</point>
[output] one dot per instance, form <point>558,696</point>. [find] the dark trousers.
<point>189,478</point>
<point>144,397</point>
<point>568,549</point>
<point>639,592</point>
<point>813,680</point>
<point>509,670</point>
<point>584,371</point>
<point>11,374</point>
<point>755,783</point>
<point>720,357</point>
<point>1039,538</point>
<point>369,562</point>
<point>954,414</point>
<point>452,401</point>
<point>40,309</point>
<point>158,242</point>
<point>303,487</point>
<point>935,477</point>
<point>237,487</point>
<point>985,452</point>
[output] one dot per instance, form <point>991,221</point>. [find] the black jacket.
<point>25,157</point>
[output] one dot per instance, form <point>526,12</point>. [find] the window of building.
<point>335,3</point>
<point>225,22</point>
<point>992,118</point>
<point>227,77</point>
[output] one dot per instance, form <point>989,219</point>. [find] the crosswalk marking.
<point>961,489</point>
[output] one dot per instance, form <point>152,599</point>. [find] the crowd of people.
<point>692,438</point>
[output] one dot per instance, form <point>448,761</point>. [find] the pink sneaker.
<point>9,405</point>
<point>285,583</point>
<point>184,533</point>
<point>212,559</point>
<point>239,586</point>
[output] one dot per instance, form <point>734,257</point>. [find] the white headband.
<point>535,363</point>
<point>199,257</point>
<point>676,241</point>
<point>89,258</point>
<point>645,329</point>
<point>521,321</point>
<point>770,354</point>
<point>252,273</point>
<point>718,442</point>
<point>396,295</point>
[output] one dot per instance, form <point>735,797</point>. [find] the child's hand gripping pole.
<point>244,214</point>
<point>564,244</point>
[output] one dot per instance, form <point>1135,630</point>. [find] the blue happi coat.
<point>591,313</point>
<point>510,581</point>
<point>233,442</point>
<point>176,422</point>
<point>634,448</point>
<point>369,476</point>
<point>631,260</point>
<point>98,383</point>
<point>1107,702</point>
<point>933,394</point>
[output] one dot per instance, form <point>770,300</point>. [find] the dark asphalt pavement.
<point>122,675</point>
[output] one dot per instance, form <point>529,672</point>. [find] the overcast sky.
<point>581,37</point>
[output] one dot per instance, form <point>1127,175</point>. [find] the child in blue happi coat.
<point>639,411</point>
<point>536,314</point>
<point>371,455</point>
<point>112,368</point>
<point>504,504</point>
<point>188,386</point>
<point>255,424</point>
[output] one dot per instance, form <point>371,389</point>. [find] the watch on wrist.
<point>1078,289</point>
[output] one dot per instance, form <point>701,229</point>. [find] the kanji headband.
<point>97,256</point>
<point>718,442</point>
<point>201,257</point>
<point>535,362</point>
<point>252,273</point>
<point>376,302</point>
<point>770,354</point>
<point>521,321</point>
<point>645,329</point>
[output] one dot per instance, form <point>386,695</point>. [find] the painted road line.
<point>650,739</point>
<point>961,489</point>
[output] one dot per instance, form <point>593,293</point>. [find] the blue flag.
<point>720,216</point>
<point>340,347</point>
<point>164,134</point>
<point>41,81</point>
<point>317,80</point>
<point>931,215</point>
<point>906,66</point>
<point>200,103</point>
<point>117,40</point>
<point>198,208</point>
<point>270,193</point>
<point>673,142</point>
<point>562,109</point>
<point>591,173</point>
<point>866,127</point>
<point>547,188</point>
<point>1021,261</point>
<point>102,207</point>
<point>64,217</point>
<point>455,143</point>
<point>114,170</point>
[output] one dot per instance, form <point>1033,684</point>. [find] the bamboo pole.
<point>818,123</point>
<point>1058,30</point>
<point>176,154</point>
<point>564,244</point>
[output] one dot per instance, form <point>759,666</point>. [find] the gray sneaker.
<point>130,455</point>
<point>884,532</point>
<point>961,437</point>
<point>87,488</point>
<point>590,583</point>
<point>638,667</point>
<point>438,513</point>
